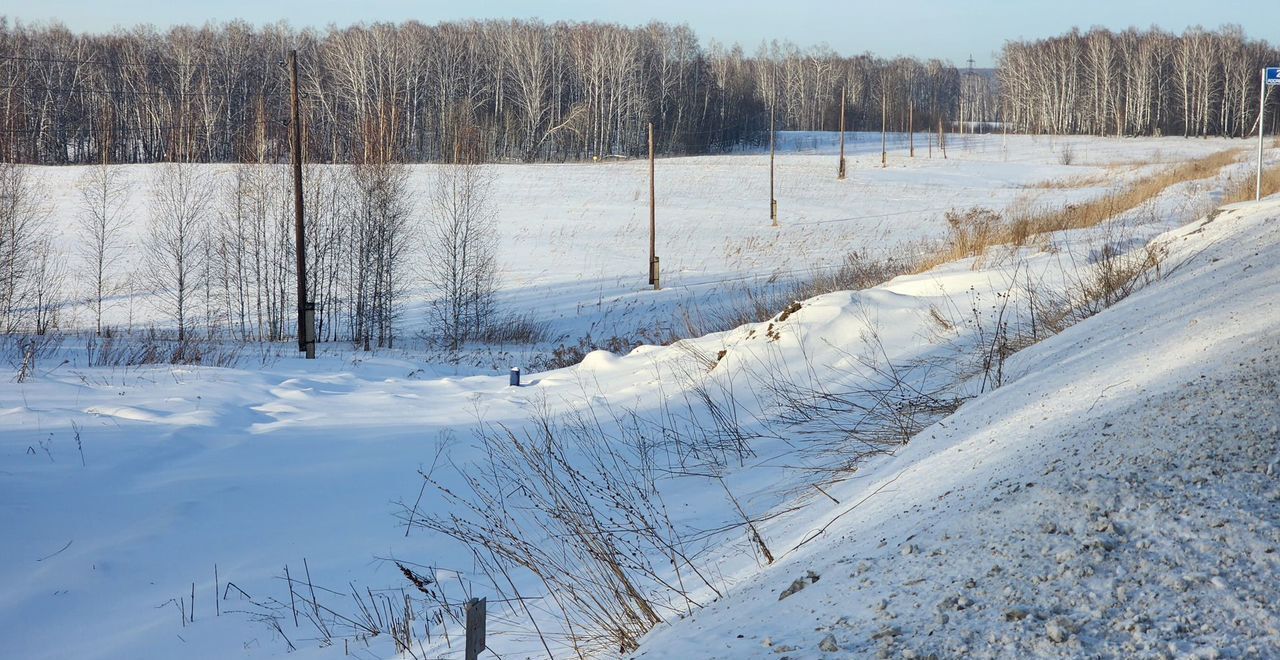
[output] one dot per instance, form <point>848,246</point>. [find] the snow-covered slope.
<point>1120,496</point>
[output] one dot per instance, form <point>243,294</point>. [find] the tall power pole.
<point>884,135</point>
<point>840,172</point>
<point>773,201</point>
<point>105,140</point>
<point>967,101</point>
<point>653,212</point>
<point>942,139</point>
<point>306,313</point>
<point>911,126</point>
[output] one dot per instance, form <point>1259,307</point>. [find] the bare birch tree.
<point>102,220</point>
<point>20,215</point>
<point>459,257</point>
<point>174,249</point>
<point>45,295</point>
<point>380,238</point>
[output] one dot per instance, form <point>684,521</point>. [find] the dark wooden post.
<point>840,172</point>
<point>653,213</point>
<point>911,126</point>
<point>942,139</point>
<point>884,135</point>
<point>306,332</point>
<point>475,611</point>
<point>773,201</point>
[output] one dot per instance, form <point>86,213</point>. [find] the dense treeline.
<point>527,90</point>
<point>522,90</point>
<point>1135,82</point>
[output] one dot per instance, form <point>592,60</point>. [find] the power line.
<point>127,92</point>
<point>195,126</point>
<point>55,60</point>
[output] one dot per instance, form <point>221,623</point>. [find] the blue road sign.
<point>1273,75</point>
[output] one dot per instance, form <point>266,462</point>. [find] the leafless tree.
<point>380,241</point>
<point>329,236</point>
<point>459,260</point>
<point>45,296</point>
<point>102,219</point>
<point>253,247</point>
<point>20,216</point>
<point>174,243</point>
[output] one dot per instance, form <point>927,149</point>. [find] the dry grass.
<point>1110,171</point>
<point>1113,276</point>
<point>1071,182</point>
<point>974,231</point>
<point>1244,190</point>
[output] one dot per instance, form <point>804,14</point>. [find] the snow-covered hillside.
<point>1118,496</point>
<point>1118,487</point>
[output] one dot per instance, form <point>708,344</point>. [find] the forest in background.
<point>1136,82</point>
<point>534,91</point>
<point>517,90</point>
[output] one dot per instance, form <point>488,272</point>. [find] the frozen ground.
<point>1147,433</point>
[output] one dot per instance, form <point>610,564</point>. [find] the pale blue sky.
<point>924,28</point>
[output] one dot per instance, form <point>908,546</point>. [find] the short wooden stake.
<point>475,612</point>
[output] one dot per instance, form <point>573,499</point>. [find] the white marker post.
<point>1270,76</point>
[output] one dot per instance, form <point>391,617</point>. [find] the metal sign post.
<point>1270,77</point>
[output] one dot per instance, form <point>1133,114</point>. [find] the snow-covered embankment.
<point>1120,494</point>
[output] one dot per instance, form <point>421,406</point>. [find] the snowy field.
<point>573,238</point>
<point>1080,508</point>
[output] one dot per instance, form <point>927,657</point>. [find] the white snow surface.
<point>1118,494</point>
<point>1120,497</point>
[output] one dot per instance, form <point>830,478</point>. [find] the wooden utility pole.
<point>773,201</point>
<point>306,312</point>
<point>966,91</point>
<point>105,143</point>
<point>840,172</point>
<point>911,126</point>
<point>942,139</point>
<point>884,136</point>
<point>653,214</point>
